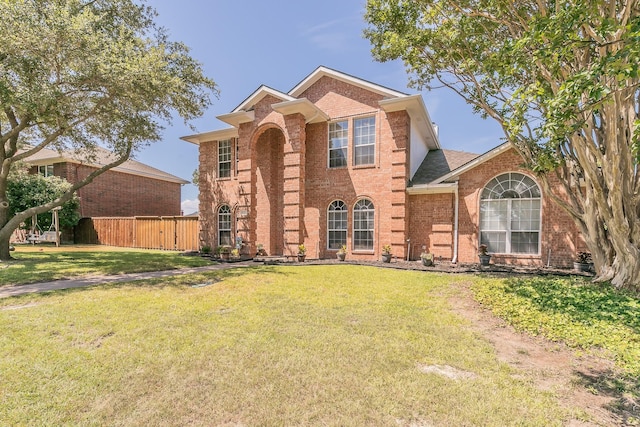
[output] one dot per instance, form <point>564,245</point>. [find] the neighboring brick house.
<point>131,189</point>
<point>339,160</point>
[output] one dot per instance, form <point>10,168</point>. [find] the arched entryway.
<point>269,190</point>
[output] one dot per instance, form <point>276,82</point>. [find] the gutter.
<point>454,260</point>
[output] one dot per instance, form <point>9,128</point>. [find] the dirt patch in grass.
<point>578,379</point>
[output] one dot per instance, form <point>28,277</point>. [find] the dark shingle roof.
<point>438,163</point>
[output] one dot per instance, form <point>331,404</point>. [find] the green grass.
<point>313,345</point>
<point>577,312</point>
<point>45,263</point>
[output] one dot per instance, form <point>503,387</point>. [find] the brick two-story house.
<point>341,161</point>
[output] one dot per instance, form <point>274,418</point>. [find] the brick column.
<point>294,178</point>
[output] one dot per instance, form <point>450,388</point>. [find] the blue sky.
<point>244,44</point>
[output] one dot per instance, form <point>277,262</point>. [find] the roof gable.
<point>102,158</point>
<point>258,95</point>
<point>328,72</point>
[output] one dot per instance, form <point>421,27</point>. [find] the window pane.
<point>493,214</point>
<point>338,141</point>
<point>224,159</point>
<point>524,243</point>
<point>525,215</point>
<point>336,225</point>
<point>364,140</point>
<point>224,225</point>
<point>496,241</point>
<point>363,225</point>
<point>338,158</point>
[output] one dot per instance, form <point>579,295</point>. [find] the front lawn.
<point>313,345</point>
<point>43,263</point>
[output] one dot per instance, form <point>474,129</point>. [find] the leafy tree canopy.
<point>561,78</point>
<point>77,73</point>
<point>26,190</point>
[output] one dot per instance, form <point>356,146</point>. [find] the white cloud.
<point>189,206</point>
<point>330,35</point>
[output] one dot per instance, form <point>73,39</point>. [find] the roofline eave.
<point>431,188</point>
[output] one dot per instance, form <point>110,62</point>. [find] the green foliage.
<point>97,70</point>
<point>571,310</point>
<point>25,190</point>
<point>75,74</point>
<point>562,80</point>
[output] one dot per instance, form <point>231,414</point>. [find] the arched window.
<point>224,225</point>
<point>510,215</point>
<point>363,225</point>
<point>336,225</point>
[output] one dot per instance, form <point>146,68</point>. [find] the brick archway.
<point>269,190</point>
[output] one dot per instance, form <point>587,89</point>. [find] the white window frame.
<point>364,140</point>
<point>224,217</point>
<point>224,157</point>
<point>495,195</point>
<point>45,170</point>
<point>331,220</point>
<point>338,135</point>
<point>367,210</point>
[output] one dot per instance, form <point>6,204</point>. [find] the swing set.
<point>36,235</point>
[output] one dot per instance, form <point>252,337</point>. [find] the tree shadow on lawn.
<point>624,392</point>
<point>190,280</point>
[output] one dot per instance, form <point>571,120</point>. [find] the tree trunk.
<point>5,235</point>
<point>5,254</point>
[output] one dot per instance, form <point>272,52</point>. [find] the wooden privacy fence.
<point>167,232</point>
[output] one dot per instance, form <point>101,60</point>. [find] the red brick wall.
<point>432,219</point>
<point>431,225</point>
<point>122,194</point>
<point>308,185</point>
<point>383,182</point>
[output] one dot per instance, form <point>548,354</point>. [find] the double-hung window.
<point>338,142</point>
<point>364,141</point>
<point>224,158</point>
<point>510,215</point>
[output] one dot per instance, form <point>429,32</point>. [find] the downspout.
<point>455,227</point>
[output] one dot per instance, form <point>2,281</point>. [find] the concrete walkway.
<point>441,267</point>
<point>80,282</point>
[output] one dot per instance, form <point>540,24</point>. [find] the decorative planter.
<point>427,262</point>
<point>581,266</point>
<point>386,257</point>
<point>484,259</point>
<point>301,257</point>
<point>341,255</point>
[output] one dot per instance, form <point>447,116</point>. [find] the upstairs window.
<point>510,215</point>
<point>224,225</point>
<point>45,170</point>
<point>364,141</point>
<point>224,159</point>
<point>363,225</point>
<point>338,142</point>
<point>337,225</point>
